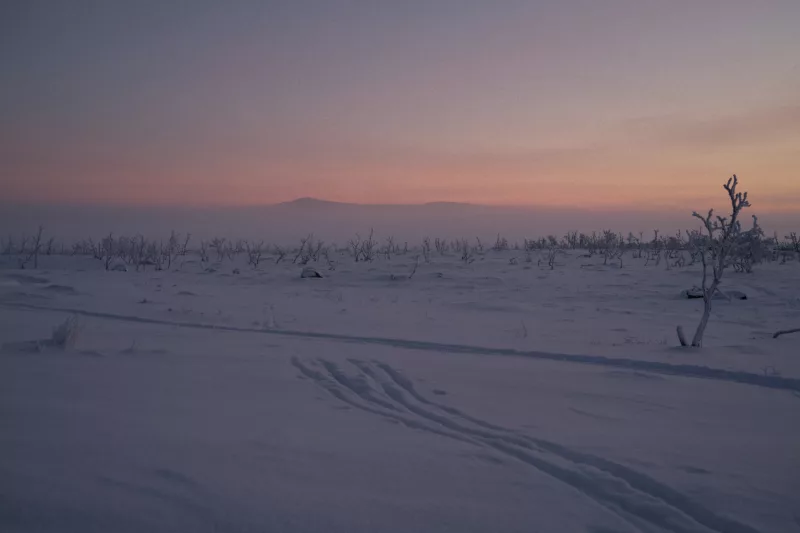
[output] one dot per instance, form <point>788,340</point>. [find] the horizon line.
<point>311,201</point>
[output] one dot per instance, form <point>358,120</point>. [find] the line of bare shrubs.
<point>685,248</point>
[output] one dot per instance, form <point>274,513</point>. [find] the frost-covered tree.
<point>722,235</point>
<point>748,248</point>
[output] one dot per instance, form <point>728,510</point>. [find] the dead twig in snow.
<point>785,332</point>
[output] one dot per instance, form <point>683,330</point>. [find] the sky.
<point>614,104</point>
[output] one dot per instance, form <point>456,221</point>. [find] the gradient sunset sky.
<point>589,103</point>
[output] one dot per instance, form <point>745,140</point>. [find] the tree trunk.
<point>697,340</point>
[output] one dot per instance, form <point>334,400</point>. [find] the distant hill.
<point>311,203</point>
<point>339,221</point>
<point>317,203</point>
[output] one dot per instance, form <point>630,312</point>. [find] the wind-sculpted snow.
<point>692,371</point>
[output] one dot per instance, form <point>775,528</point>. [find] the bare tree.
<point>137,252</point>
<point>368,247</point>
<point>319,250</point>
<point>571,239</point>
<point>389,249</point>
<point>203,251</point>
<point>748,249</point>
<point>33,253</point>
<point>552,253</point>
<point>613,247</point>
<point>108,250</point>
<point>254,252</point>
<point>551,257</point>
<point>156,254</point>
<point>326,254</point>
<point>793,242</point>
<point>95,250</point>
<point>466,252</point>
<point>169,252</point>
<point>695,243</point>
<point>280,253</point>
<point>426,249</point>
<point>218,244</point>
<point>37,247</point>
<point>722,234</point>
<point>500,244</point>
<point>309,250</point>
<point>302,256</point>
<point>185,244</point>
<point>355,247</point>
<point>441,246</point>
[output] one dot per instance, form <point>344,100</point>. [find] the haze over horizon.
<point>611,106</point>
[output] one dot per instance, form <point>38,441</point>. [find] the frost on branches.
<point>723,236</point>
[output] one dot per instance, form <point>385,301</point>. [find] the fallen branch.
<point>785,332</point>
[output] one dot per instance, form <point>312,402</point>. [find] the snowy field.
<point>496,396</point>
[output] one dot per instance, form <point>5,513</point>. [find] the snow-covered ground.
<point>493,396</point>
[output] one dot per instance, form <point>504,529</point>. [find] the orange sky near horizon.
<point>540,103</point>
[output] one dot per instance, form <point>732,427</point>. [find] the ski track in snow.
<point>682,370</point>
<point>645,503</point>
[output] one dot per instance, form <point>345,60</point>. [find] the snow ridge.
<point>658,367</point>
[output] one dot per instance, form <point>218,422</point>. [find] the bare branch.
<point>785,332</point>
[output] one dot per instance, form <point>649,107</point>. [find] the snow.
<point>472,397</point>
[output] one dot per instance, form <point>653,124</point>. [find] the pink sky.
<point>523,103</point>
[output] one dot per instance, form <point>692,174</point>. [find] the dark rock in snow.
<point>118,266</point>
<point>694,292</point>
<point>309,272</point>
<point>697,292</point>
